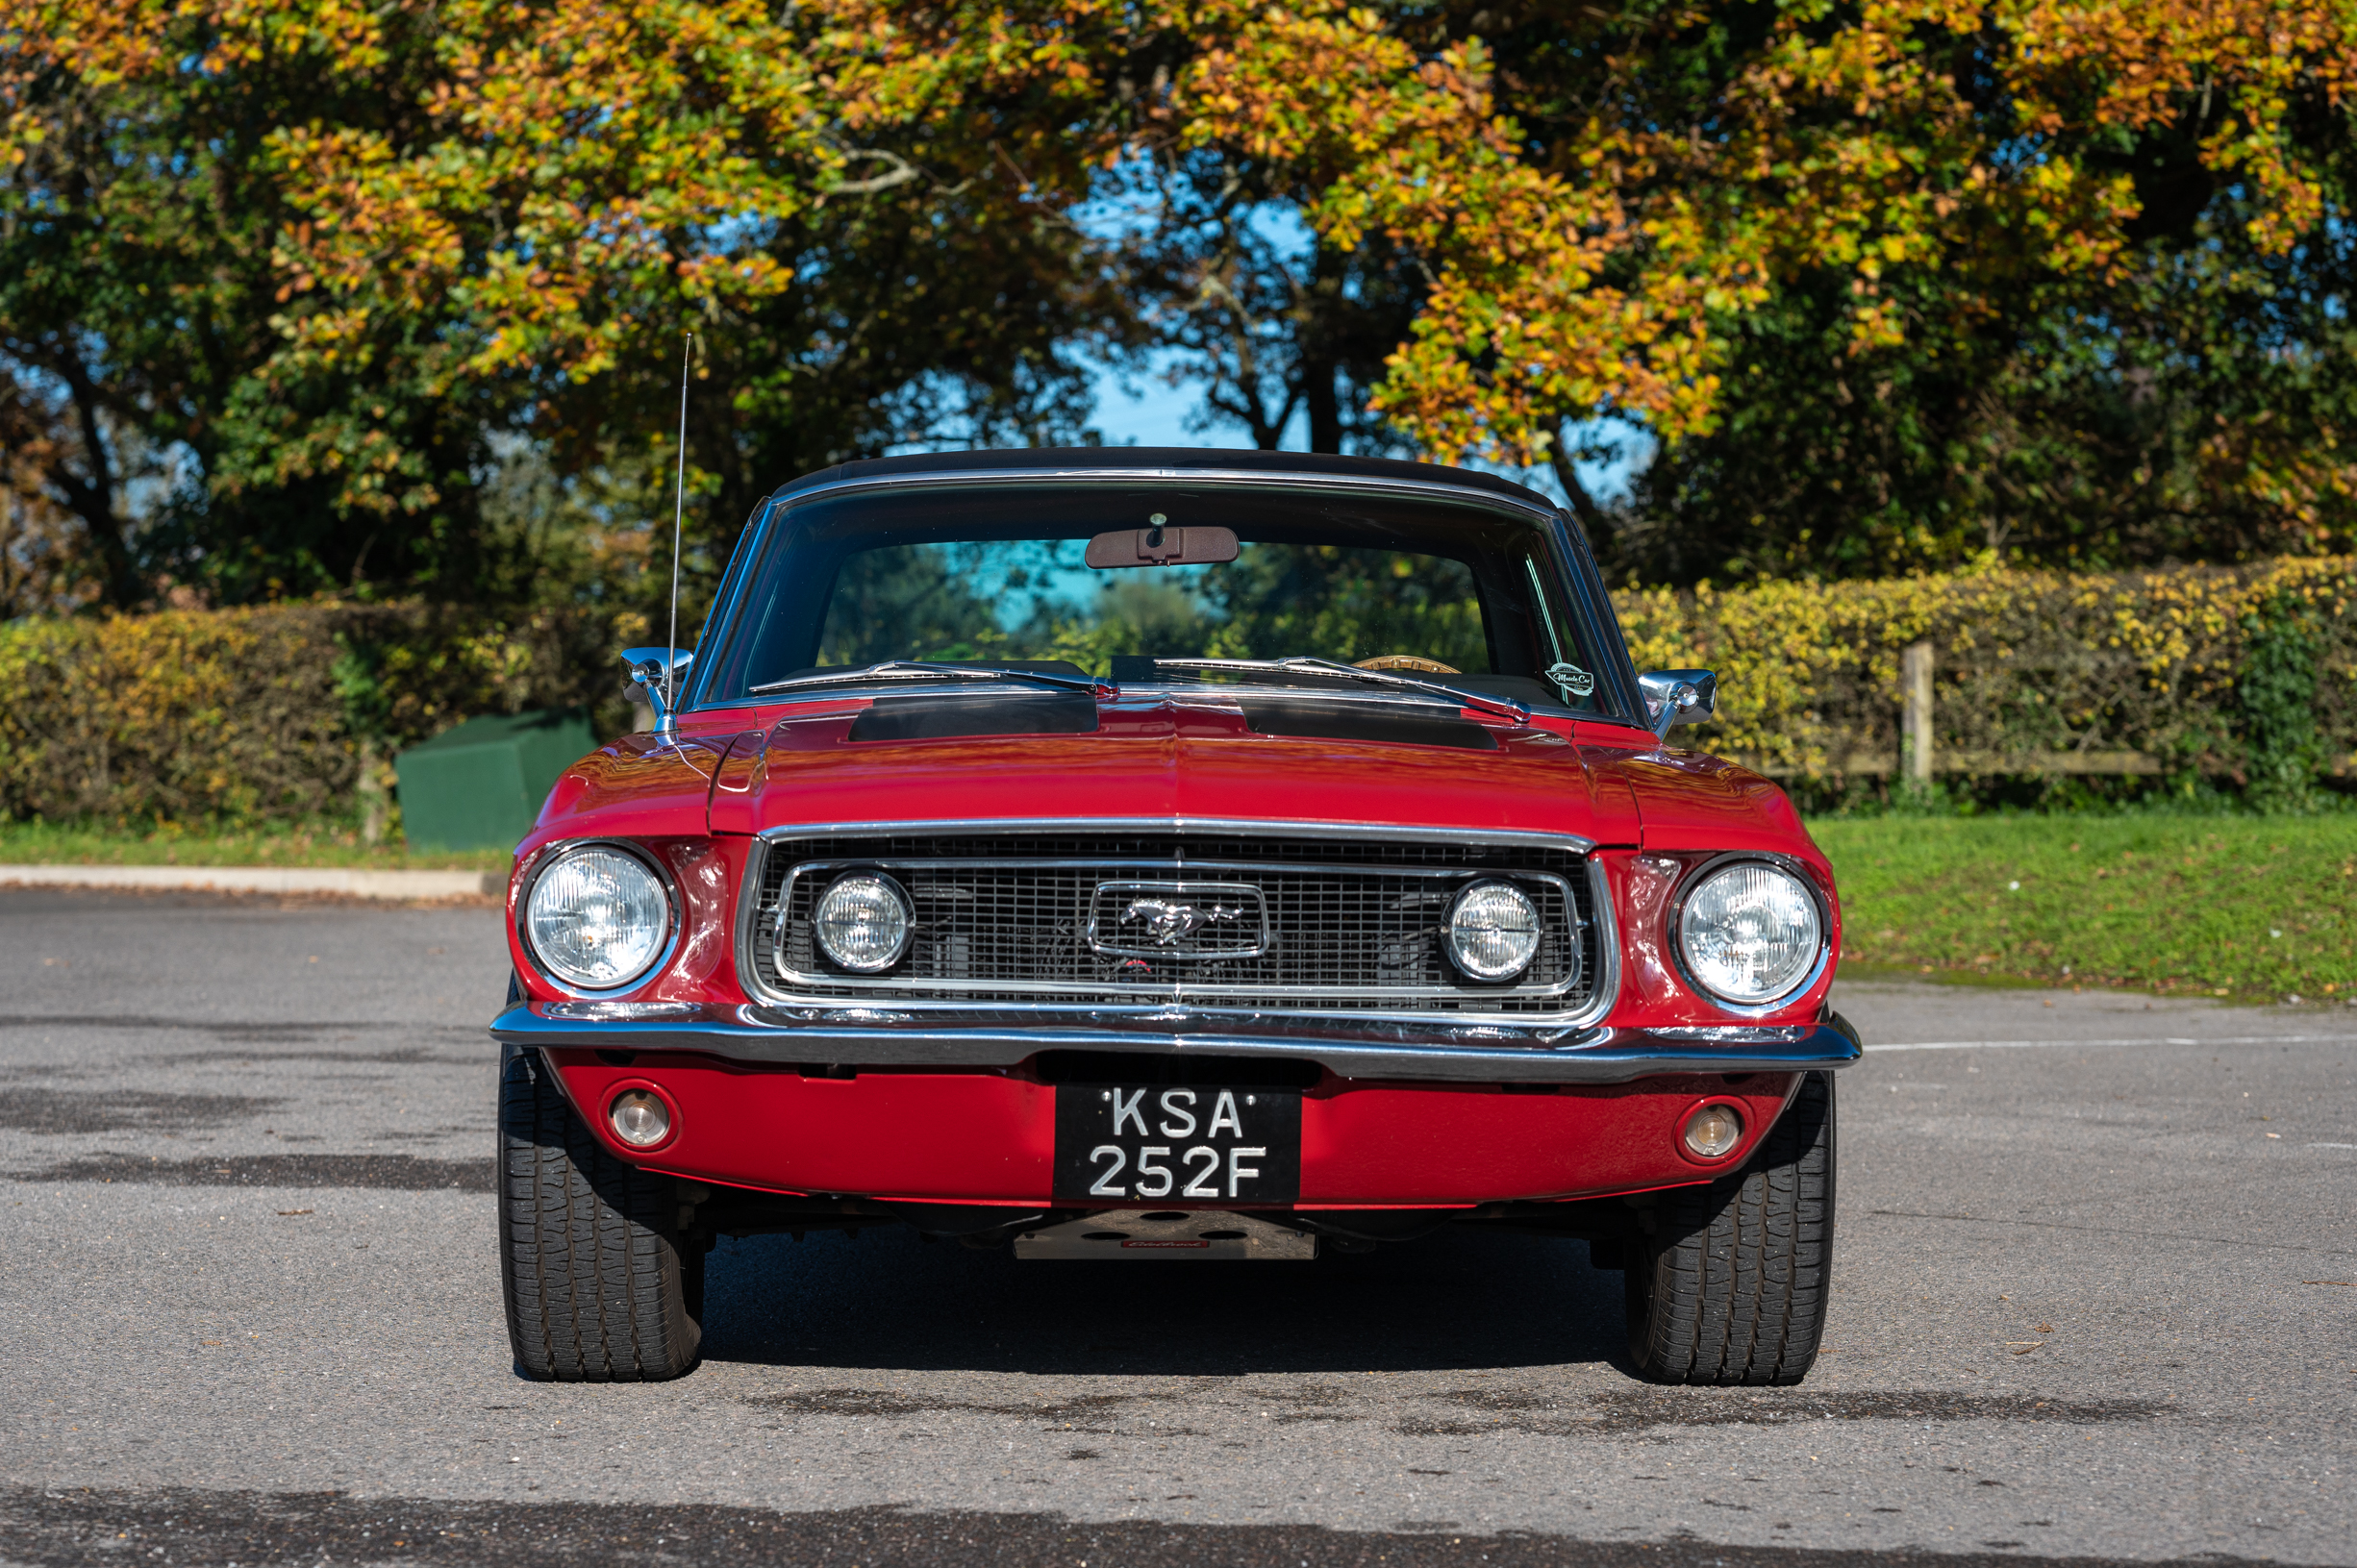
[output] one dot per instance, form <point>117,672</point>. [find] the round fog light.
<point>1493,931</point>
<point>1712,1131</point>
<point>862,922</point>
<point>642,1120</point>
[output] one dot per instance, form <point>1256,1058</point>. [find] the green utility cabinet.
<point>482,784</point>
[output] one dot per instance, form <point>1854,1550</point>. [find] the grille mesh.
<point>1352,927</point>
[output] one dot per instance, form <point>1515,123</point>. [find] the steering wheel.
<point>1407,661</point>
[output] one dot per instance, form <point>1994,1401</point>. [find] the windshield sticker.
<point>1573,679</point>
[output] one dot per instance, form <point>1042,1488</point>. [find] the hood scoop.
<point>1392,723</point>
<point>938,716</point>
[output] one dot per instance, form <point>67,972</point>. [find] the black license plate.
<point>1124,1145</point>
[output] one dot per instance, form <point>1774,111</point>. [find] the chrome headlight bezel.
<point>1810,975</point>
<point>558,855</point>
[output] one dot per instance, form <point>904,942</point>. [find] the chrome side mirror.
<point>1675,697</point>
<point>660,670</point>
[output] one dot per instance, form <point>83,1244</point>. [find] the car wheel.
<point>1730,1286</point>
<point>601,1285</point>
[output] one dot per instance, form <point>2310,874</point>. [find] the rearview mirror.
<point>1161,545</point>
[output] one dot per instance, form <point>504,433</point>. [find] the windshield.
<point>1462,595</point>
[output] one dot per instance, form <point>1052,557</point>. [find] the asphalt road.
<point>2092,1300</point>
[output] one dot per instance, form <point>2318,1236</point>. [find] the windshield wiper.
<point>1503,707</point>
<point>917,669</point>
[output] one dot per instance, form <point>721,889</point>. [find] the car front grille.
<point>1293,924</point>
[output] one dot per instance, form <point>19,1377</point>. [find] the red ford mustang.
<point>1168,856</point>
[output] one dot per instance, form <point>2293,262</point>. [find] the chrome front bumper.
<point>1441,1050</point>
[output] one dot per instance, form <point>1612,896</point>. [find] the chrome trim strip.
<point>1607,990</point>
<point>874,1037</point>
<point>1180,990</point>
<point>723,610</point>
<point>1599,1003</point>
<point>1308,828</point>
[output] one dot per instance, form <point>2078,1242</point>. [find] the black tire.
<point>1730,1286</point>
<point>601,1285</point>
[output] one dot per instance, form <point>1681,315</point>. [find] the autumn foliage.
<point>411,232</point>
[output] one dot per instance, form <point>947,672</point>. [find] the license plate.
<point>1124,1144</point>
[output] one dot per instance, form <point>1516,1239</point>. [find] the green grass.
<point>325,843</point>
<point>2255,908</point>
<point>2152,902</point>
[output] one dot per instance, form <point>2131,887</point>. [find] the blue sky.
<point>1148,411</point>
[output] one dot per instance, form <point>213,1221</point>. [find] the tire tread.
<point>598,1281</point>
<point>1731,1287</point>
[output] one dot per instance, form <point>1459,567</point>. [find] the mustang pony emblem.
<point>1170,923</point>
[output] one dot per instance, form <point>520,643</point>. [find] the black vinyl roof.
<point>1052,459</point>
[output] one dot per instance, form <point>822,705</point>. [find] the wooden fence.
<point>1921,759</point>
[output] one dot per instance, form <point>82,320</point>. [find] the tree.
<point>341,264</point>
<point>1706,217</point>
<point>1895,282</point>
<point>37,569</point>
<point>2190,409</point>
<point>1233,295</point>
<point>134,269</point>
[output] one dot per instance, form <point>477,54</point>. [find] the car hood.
<point>1164,759</point>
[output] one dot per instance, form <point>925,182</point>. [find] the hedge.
<point>241,714</point>
<point>2246,676</point>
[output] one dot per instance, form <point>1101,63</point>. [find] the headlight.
<point>862,922</point>
<point>597,917</point>
<point>1493,931</point>
<point>1750,933</point>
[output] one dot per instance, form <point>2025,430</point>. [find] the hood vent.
<point>1389,722</point>
<point>942,717</point>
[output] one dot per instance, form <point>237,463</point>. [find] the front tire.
<point>1730,1286</point>
<point>601,1287</point>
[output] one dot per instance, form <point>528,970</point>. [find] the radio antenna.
<point>679,507</point>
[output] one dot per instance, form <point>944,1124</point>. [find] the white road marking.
<point>2148,1039</point>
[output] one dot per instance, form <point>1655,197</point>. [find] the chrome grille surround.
<point>1352,920</point>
